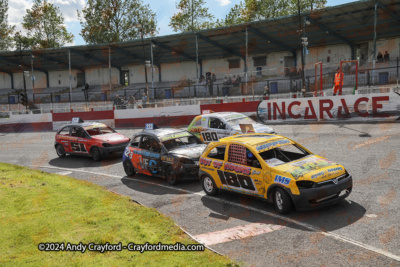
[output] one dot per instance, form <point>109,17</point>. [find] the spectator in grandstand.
<point>225,82</point>
<point>386,56</point>
<point>338,82</point>
<point>238,79</point>
<point>293,72</point>
<point>353,69</point>
<point>131,101</point>
<point>214,78</point>
<point>266,91</point>
<point>117,102</point>
<point>287,72</point>
<point>234,80</point>
<point>124,102</point>
<point>229,80</point>
<point>299,72</point>
<point>379,57</point>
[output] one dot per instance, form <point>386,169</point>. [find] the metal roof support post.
<point>12,80</point>
<point>302,50</point>
<point>197,65</point>
<point>47,79</point>
<point>373,60</point>
<point>32,76</point>
<point>109,68</point>
<point>69,68</point>
<point>152,69</point>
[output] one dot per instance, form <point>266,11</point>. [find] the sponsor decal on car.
<point>273,144</point>
<point>147,154</point>
<point>282,180</point>
<point>237,168</point>
<point>305,166</point>
<point>173,136</point>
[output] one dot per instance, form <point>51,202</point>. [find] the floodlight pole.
<point>23,72</point>
<point>145,67</point>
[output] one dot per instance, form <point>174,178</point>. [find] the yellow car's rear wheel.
<point>209,186</point>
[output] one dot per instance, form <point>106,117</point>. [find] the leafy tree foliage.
<point>191,11</point>
<point>106,21</point>
<point>253,10</point>
<point>44,25</point>
<point>5,29</point>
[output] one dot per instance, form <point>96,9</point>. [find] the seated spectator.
<point>229,80</point>
<point>346,68</point>
<point>379,57</point>
<point>386,56</point>
<point>225,82</point>
<point>234,80</point>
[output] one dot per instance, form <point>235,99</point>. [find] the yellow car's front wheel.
<point>283,203</point>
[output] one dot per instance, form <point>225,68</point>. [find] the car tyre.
<point>95,153</point>
<point>60,151</point>
<point>209,186</point>
<point>283,203</point>
<point>129,169</point>
<point>171,176</point>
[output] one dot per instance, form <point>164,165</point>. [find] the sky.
<point>164,9</point>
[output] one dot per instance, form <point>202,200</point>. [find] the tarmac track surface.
<point>362,230</point>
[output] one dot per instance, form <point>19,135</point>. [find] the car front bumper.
<point>112,150</point>
<point>322,196</point>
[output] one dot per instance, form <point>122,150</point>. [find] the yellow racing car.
<point>275,168</point>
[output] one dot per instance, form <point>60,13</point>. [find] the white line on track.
<point>288,220</point>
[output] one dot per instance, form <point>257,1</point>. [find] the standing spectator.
<point>386,56</point>
<point>117,102</point>
<point>204,86</point>
<point>214,78</point>
<point>144,100</point>
<point>225,82</point>
<point>86,92</point>
<point>338,82</point>
<point>379,57</point>
<point>124,102</point>
<point>229,80</point>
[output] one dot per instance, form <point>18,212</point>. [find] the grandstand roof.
<point>349,24</point>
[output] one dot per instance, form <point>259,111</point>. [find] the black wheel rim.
<point>60,151</point>
<point>96,154</point>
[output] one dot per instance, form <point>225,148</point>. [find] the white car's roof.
<point>222,115</point>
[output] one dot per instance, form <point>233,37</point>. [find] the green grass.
<point>38,207</point>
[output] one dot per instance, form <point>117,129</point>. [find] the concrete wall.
<point>40,80</point>
<point>101,76</point>
<point>136,74</point>
<point>5,80</point>
<point>61,78</point>
<point>177,71</point>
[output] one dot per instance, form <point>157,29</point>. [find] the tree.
<point>44,25</point>
<point>105,21</point>
<point>253,10</point>
<point>192,16</point>
<point>5,29</point>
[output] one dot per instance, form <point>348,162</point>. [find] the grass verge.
<point>38,207</point>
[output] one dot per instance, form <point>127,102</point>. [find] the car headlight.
<point>305,184</point>
<point>186,161</point>
<point>106,145</point>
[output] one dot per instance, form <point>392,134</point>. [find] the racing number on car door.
<point>236,180</point>
<point>78,147</point>
<point>209,136</point>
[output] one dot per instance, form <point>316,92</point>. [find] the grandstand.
<point>262,53</point>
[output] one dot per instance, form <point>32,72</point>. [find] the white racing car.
<point>213,126</point>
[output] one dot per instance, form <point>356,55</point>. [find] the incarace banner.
<point>371,107</point>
